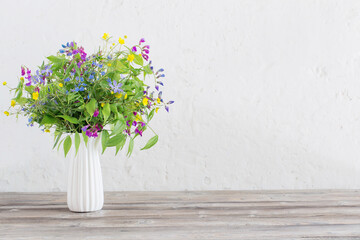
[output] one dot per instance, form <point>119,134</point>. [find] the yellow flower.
<point>121,41</point>
<point>105,36</point>
<point>130,58</point>
<point>118,95</point>
<point>4,83</point>
<point>22,78</point>
<point>156,110</point>
<point>125,96</point>
<point>145,101</point>
<point>47,130</point>
<point>138,118</point>
<point>61,85</point>
<point>158,100</point>
<point>35,95</point>
<point>102,104</point>
<point>113,44</point>
<point>125,37</point>
<point>6,113</point>
<point>112,92</point>
<point>13,103</point>
<point>109,64</point>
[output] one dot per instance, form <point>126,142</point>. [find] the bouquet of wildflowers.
<point>115,92</point>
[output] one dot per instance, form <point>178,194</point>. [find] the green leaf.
<point>55,59</point>
<point>47,119</point>
<point>120,67</point>
<point>77,142</point>
<point>86,138</point>
<point>77,69</point>
<point>21,100</point>
<point>104,140</point>
<point>120,145</point>
<point>115,140</point>
<point>151,142</point>
<point>68,118</point>
<point>106,111</point>
<point>91,106</point>
<point>67,145</point>
<point>147,69</point>
<point>57,139</point>
<point>60,144</point>
<point>118,127</point>
<point>138,59</point>
<point>69,68</point>
<point>151,114</point>
<point>131,147</point>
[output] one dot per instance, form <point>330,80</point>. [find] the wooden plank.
<point>298,214</point>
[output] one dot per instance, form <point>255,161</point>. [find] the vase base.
<point>89,211</point>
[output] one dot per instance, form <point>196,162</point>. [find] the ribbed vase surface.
<point>85,186</point>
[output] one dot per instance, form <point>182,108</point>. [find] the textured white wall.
<point>267,93</point>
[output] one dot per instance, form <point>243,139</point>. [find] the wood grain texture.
<point>265,215</point>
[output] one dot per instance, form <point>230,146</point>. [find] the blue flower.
<point>67,79</point>
<point>102,73</point>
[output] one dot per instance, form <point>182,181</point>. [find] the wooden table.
<point>308,214</point>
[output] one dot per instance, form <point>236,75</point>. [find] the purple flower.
<point>146,57</point>
<point>134,49</point>
<point>141,41</point>
<point>85,128</point>
<point>127,131</point>
<point>147,46</point>
<point>93,132</point>
<point>167,108</point>
<point>134,123</point>
<point>96,113</point>
<point>170,102</point>
<point>115,87</point>
<point>138,131</point>
<point>160,70</point>
<point>157,87</point>
<point>47,70</point>
<point>128,123</point>
<point>22,71</point>
<point>146,51</point>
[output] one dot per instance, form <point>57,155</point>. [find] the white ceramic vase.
<point>85,191</point>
